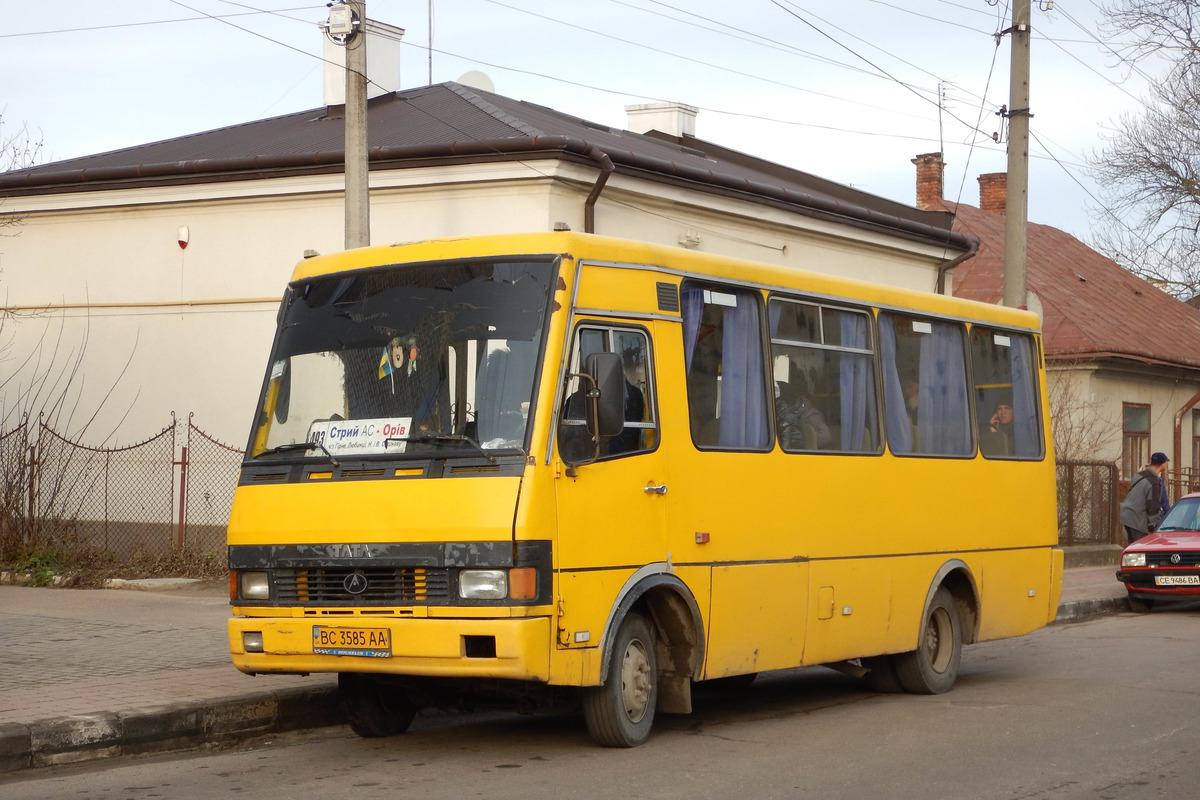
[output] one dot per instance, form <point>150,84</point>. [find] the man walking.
<point>1142,510</point>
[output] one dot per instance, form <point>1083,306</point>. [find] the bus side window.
<point>823,367</point>
<point>925,386</point>
<point>723,360</point>
<point>1008,414</point>
<point>639,433</point>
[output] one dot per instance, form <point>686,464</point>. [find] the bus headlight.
<point>255,586</point>
<point>483,584</point>
<point>1133,559</point>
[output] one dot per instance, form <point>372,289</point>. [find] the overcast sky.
<point>846,90</point>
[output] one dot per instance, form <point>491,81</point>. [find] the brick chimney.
<point>930,168</point>
<point>993,192</point>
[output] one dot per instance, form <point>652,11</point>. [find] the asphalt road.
<point>1101,709</point>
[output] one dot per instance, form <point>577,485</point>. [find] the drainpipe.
<point>589,205</point>
<point>1179,441</point>
<point>946,266</point>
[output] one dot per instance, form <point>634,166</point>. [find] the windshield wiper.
<point>306,446</point>
<point>445,438</point>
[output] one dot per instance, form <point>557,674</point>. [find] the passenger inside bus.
<point>997,438</point>
<point>801,425</point>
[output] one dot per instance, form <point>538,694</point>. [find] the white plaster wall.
<point>1104,392</point>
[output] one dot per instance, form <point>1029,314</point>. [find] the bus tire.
<point>1140,605</point>
<point>620,712</point>
<point>933,667</point>
<point>374,709</point>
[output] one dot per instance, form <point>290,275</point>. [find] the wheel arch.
<point>958,579</point>
<point>674,613</point>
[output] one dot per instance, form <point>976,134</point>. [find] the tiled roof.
<point>1092,307</point>
<point>452,122</point>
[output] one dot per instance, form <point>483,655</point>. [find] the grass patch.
<point>88,570</point>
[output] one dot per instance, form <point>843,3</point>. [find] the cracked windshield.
<point>406,359</point>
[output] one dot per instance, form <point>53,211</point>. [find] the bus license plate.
<point>1177,580</point>
<point>368,642</point>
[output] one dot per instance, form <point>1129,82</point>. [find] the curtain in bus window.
<point>743,396</point>
<point>854,385</point>
<point>504,392</point>
<point>943,415</point>
<point>899,426</point>
<point>692,301</point>
<point>1026,441</point>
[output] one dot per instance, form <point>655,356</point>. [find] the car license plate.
<point>1177,580</point>
<point>368,642</point>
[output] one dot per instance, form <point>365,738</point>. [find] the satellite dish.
<point>477,80</point>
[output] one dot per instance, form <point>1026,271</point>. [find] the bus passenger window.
<point>723,359</point>
<point>1006,394</point>
<point>925,361</point>
<point>640,431</point>
<point>824,378</point>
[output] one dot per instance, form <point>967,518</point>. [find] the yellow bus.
<point>567,469</point>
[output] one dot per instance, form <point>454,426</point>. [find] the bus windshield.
<point>406,359</point>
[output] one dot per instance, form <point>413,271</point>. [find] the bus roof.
<point>581,246</point>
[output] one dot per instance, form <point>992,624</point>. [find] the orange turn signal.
<point>522,583</point>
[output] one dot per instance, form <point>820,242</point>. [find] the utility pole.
<point>358,208</point>
<point>1016,209</point>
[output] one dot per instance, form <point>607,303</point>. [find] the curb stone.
<point>1080,610</point>
<point>85,737</point>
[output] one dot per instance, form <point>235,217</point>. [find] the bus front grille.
<point>373,586</point>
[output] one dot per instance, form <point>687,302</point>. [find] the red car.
<point>1166,564</point>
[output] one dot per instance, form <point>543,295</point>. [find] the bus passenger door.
<point>611,510</point>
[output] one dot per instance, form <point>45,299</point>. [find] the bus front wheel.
<point>620,712</point>
<point>933,667</point>
<point>374,709</point>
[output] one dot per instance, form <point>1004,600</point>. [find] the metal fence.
<point>209,476</point>
<point>1088,503</point>
<point>57,493</point>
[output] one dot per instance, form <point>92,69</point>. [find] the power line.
<point>203,17</point>
<point>699,61</point>
<point>858,55</point>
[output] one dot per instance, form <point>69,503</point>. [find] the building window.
<point>1135,439</point>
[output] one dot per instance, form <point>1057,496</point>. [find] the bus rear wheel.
<point>620,712</point>
<point>933,667</point>
<point>374,709</point>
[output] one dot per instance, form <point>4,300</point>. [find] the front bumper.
<point>517,649</point>
<point>1140,581</point>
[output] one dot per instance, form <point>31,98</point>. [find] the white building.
<point>157,269</point>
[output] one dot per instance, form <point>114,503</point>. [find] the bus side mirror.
<point>606,416</point>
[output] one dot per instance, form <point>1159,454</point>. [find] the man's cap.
<point>1159,458</point>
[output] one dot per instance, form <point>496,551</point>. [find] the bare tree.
<point>1078,423</point>
<point>19,148</point>
<point>1149,165</point>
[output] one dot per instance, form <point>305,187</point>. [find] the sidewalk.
<point>88,674</point>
